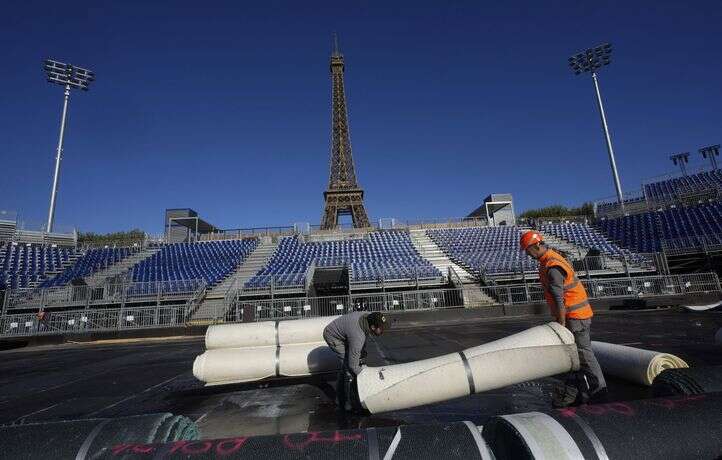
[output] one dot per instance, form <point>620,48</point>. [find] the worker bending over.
<point>346,336</point>
<point>569,305</point>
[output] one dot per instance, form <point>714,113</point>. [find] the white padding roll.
<point>712,306</point>
<point>267,333</point>
<point>262,334</point>
<point>306,359</point>
<point>303,330</point>
<point>236,365</point>
<point>231,365</point>
<point>538,352</point>
<point>634,364</point>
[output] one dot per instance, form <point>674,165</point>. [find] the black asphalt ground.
<point>73,381</point>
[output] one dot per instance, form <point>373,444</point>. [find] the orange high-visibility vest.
<point>576,302</point>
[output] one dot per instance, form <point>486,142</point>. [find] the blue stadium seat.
<point>92,260</point>
<point>22,264</point>
<point>672,189</point>
<point>490,250</point>
<point>387,255</point>
<point>644,232</point>
<point>211,261</point>
<point>588,237</point>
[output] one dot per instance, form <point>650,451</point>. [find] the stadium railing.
<point>304,307</point>
<point>105,294</point>
<point>693,244</point>
<point>240,310</point>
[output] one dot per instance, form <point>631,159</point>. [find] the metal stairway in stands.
<point>214,305</point>
<point>429,250</point>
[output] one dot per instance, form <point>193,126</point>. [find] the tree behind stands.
<point>585,209</point>
<point>127,238</point>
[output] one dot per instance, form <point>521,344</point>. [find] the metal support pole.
<point>6,301</point>
<point>608,139</point>
<point>58,157</point>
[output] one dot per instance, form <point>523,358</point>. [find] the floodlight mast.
<point>68,76</point>
<point>590,61</point>
<point>711,153</point>
<point>681,160</point>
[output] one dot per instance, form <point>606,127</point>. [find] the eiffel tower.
<point>343,195</point>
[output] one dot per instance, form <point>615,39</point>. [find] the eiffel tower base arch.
<point>340,202</point>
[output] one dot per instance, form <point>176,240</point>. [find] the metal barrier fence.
<point>693,244</point>
<point>303,307</point>
<point>242,310</point>
<point>88,296</point>
<point>86,321</point>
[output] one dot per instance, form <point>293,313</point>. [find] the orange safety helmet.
<point>528,238</point>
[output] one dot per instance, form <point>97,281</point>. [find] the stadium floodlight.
<point>591,61</point>
<point>70,77</point>
<point>711,152</point>
<point>681,160</point>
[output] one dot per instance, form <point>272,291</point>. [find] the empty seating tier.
<point>586,236</point>
<point>211,261</point>
<point>22,264</point>
<point>490,250</point>
<point>92,260</point>
<point>672,189</point>
<point>645,232</point>
<point>387,255</point>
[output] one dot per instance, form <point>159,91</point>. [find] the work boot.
<point>565,396</point>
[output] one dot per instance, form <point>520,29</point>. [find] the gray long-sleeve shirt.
<point>347,337</point>
<point>556,285</point>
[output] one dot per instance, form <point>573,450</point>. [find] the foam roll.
<point>692,381</point>
<point>267,333</point>
<point>92,438</point>
<point>679,427</point>
<point>538,352</point>
<point>238,365</point>
<point>634,364</point>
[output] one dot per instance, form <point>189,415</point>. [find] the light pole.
<point>711,152</point>
<point>590,61</point>
<point>68,76</point>
<point>681,160</point>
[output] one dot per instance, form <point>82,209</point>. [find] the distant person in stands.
<point>570,306</point>
<point>347,336</point>
<point>43,317</point>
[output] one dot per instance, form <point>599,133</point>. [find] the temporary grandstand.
<point>254,275</point>
<point>678,215</point>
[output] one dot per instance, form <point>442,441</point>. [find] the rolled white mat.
<point>236,365</point>
<point>712,306</point>
<point>267,333</point>
<point>538,352</point>
<point>634,364</point>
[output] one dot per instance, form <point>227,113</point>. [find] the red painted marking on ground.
<point>220,447</point>
<point>599,409</point>
<point>623,408</point>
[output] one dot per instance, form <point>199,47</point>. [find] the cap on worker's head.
<point>528,238</point>
<point>377,320</point>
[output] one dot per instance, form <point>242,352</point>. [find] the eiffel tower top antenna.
<point>335,44</point>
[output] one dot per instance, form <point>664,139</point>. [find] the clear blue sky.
<point>225,106</point>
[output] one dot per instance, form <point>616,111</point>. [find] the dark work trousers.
<point>346,390</point>
<point>588,364</point>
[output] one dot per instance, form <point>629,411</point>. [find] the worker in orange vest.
<point>569,304</point>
